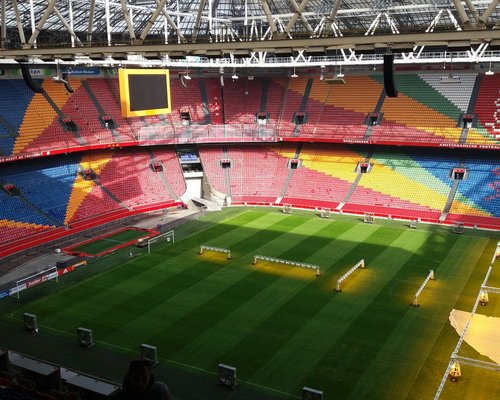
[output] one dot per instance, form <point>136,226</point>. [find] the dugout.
<point>71,264</point>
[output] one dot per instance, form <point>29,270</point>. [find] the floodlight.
<point>234,76</point>
<point>227,376</point>
<point>58,77</point>
<point>340,74</point>
<point>489,72</point>
<point>149,353</point>
<point>85,337</point>
<point>311,394</point>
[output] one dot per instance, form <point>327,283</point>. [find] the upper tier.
<point>427,112</point>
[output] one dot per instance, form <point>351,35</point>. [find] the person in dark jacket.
<point>140,384</point>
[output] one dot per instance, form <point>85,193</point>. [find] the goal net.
<point>325,213</point>
<point>287,208</point>
<point>368,218</point>
<point>458,228</point>
<point>167,237</point>
<point>33,280</point>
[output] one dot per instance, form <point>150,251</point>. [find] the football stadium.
<point>263,199</point>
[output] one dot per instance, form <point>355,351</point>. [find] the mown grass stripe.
<point>104,302</point>
<point>323,326</point>
<point>219,306</point>
<point>244,318</point>
<point>258,346</point>
<point>412,334</point>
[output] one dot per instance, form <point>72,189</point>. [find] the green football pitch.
<point>282,327</point>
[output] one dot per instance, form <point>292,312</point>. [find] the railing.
<point>152,135</point>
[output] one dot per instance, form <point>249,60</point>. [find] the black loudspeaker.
<point>25,70</point>
<point>389,86</point>
<point>68,87</point>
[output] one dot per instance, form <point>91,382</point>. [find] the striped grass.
<point>284,328</point>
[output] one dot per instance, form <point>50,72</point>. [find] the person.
<point>140,384</point>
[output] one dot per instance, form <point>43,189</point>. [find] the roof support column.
<point>462,14</point>
<point>41,23</point>
<point>472,9</point>
<point>19,24</point>
<point>91,21</point>
<point>484,18</point>
<point>126,15</point>
<point>108,21</point>
<point>332,16</point>
<point>68,27</point>
<point>151,21</point>
<point>196,27</point>
<point>269,17</point>
<point>296,15</point>
<point>4,26</point>
<point>172,22</point>
<point>304,20</point>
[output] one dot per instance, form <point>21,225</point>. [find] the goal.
<point>33,280</point>
<point>167,237</point>
<point>325,213</point>
<point>458,228</point>
<point>287,208</point>
<point>368,218</point>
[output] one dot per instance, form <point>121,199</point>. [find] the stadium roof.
<point>145,30</point>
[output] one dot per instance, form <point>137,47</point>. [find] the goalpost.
<point>325,213</point>
<point>33,280</point>
<point>368,218</point>
<point>458,228</point>
<point>168,237</point>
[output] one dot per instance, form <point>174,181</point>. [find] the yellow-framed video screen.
<point>144,92</point>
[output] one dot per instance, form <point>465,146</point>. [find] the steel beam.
<point>90,28</point>
<point>171,22</point>
<point>41,23</point>
<point>151,21</point>
<point>269,16</point>
<point>20,30</point>
<point>128,21</point>
<point>197,22</point>
<point>296,15</point>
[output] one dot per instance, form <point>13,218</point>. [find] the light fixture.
<point>58,77</point>
<point>340,74</point>
<point>294,75</point>
<point>489,72</point>
<point>322,75</point>
<point>186,76</point>
<point>451,78</point>
<point>234,76</point>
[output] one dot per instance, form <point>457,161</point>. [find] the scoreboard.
<point>144,92</point>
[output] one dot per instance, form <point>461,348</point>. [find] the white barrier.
<point>360,264</point>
